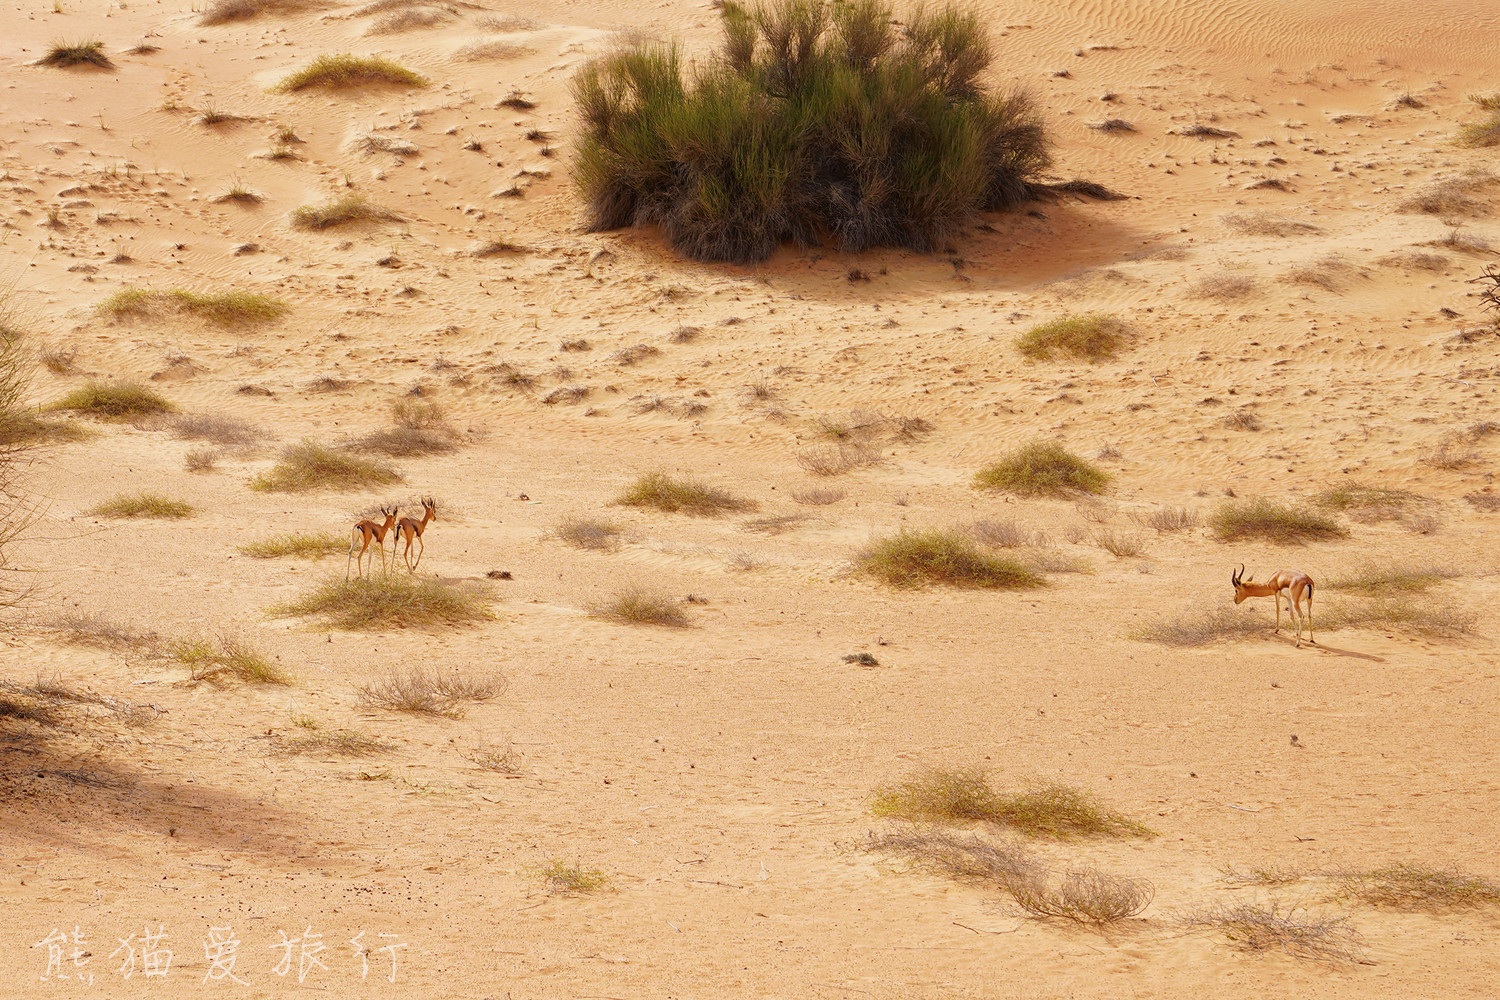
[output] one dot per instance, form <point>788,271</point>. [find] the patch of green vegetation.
<point>223,308</point>
<point>337,72</point>
<point>230,657</point>
<point>114,401</point>
<point>1092,337</point>
<point>77,54</point>
<point>916,558</point>
<point>1043,468</point>
<point>310,466</point>
<point>1282,523</point>
<point>340,212</point>
<point>638,606</point>
<point>390,602</point>
<point>142,505</point>
<point>301,545</point>
<point>558,876</point>
<point>1418,887</point>
<point>667,493</point>
<point>965,795</point>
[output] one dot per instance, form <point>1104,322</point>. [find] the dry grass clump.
<point>1270,927</point>
<point>1006,534</point>
<point>310,466</point>
<point>1092,337</point>
<point>912,558</point>
<point>98,630</point>
<point>1268,224</point>
<point>429,691</point>
<point>1328,273</point>
<point>1453,451</point>
<point>1480,133</point>
<point>1418,887</point>
<point>1085,895</point>
<point>667,493</point>
<point>1452,196</point>
<point>340,742</point>
<point>961,795</point>
<point>1119,544</point>
<point>1283,523</point>
<point>1169,519</point>
<point>639,606</point>
<point>1222,286</point>
<point>335,72</point>
<point>1376,579</point>
<point>1043,468</point>
<point>142,505</point>
<point>1369,503</point>
<point>1483,501</point>
<point>409,19</point>
<point>77,54</point>
<point>491,49</point>
<point>221,430</point>
<point>301,545</point>
<point>419,429</point>
<point>1242,419</point>
<point>1203,627</point>
<point>223,309</point>
<point>589,533</point>
<point>230,657</point>
<point>818,497</point>
<point>560,877</point>
<point>390,602</point>
<point>59,360</point>
<point>1399,614</point>
<point>343,211</point>
<point>838,457</point>
<point>113,401</point>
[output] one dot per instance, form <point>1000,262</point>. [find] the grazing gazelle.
<point>366,532</point>
<point>411,530</point>
<point>1292,584</point>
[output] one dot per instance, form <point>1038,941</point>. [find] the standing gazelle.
<point>1293,584</point>
<point>366,532</point>
<point>410,529</point>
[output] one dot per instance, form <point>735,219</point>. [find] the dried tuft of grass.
<point>340,742</point>
<point>1119,544</point>
<point>113,401</point>
<point>1043,468</point>
<point>310,466</point>
<point>1399,614</point>
<point>1169,519</point>
<point>429,691</point>
<point>1282,523</point>
<point>818,497</point>
<point>1084,895</point>
<point>1379,580</point>
<point>230,657</point>
<point>64,54</point>
<point>1270,927</point>
<point>639,606</point>
<point>300,545</point>
<point>838,457</point>
<point>419,429</point>
<point>1222,286</point>
<point>960,795</point>
<point>337,72</point>
<point>589,533</point>
<point>224,11</point>
<point>341,212</point>
<point>669,494</point>
<point>917,558</point>
<point>1418,887</point>
<point>142,505</point>
<point>221,309</point>
<point>1453,196</point>
<point>105,633</point>
<point>1092,337</point>
<point>221,430</point>
<point>1268,224</point>
<point>391,602</point>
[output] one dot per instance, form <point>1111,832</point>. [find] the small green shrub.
<point>963,795</point>
<point>916,558</point>
<point>302,545</point>
<point>816,119</point>
<point>560,877</point>
<point>143,505</point>
<point>390,602</point>
<point>1093,337</point>
<point>114,401</point>
<point>667,493</point>
<point>310,466</point>
<point>230,657</point>
<point>340,212</point>
<point>223,309</point>
<point>1282,523</point>
<point>638,606</point>
<point>77,54</point>
<point>1043,468</point>
<point>1480,133</point>
<point>336,72</point>
<point>1358,496</point>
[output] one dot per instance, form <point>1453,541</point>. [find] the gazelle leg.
<point>1277,597</point>
<point>421,547</point>
<point>354,540</point>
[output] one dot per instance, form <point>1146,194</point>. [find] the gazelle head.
<point>1239,580</point>
<point>389,513</point>
<point>429,505</point>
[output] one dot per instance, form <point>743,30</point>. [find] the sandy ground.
<point>721,775</point>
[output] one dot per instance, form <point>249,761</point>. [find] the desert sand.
<point>1290,337</point>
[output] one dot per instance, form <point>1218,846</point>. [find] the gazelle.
<point>1292,584</point>
<point>411,530</point>
<point>366,532</point>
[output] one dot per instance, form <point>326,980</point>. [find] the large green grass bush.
<point>816,120</point>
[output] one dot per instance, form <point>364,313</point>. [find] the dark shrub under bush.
<point>816,120</point>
